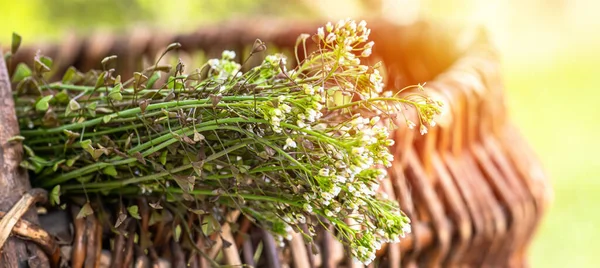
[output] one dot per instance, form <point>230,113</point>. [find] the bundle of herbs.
<point>290,149</point>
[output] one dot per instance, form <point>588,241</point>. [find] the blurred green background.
<point>549,49</point>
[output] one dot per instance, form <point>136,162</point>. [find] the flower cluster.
<point>288,148</point>
<point>225,67</point>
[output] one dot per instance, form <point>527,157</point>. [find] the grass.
<point>555,104</point>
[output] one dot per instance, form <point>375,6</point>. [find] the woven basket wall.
<point>472,187</point>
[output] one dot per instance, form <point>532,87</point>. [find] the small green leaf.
<point>100,81</point>
<point>173,83</point>
<point>106,118</point>
<point>91,108</point>
<point>87,146</point>
<point>122,217</point>
<point>134,212</point>
<point>16,42</point>
<point>29,165</point>
<point>42,105</point>
<point>55,196</point>
<point>62,97</point>
<point>163,157</point>
<point>154,218</point>
<point>177,233</point>
<point>115,92</point>
<point>85,211</point>
<point>85,179</point>
<point>74,105</point>
<point>40,161</point>
<point>39,66</point>
<point>47,61</point>
<point>21,72</point>
<point>28,150</point>
<point>69,75</point>
<point>57,165</point>
<point>110,171</point>
<point>197,211</point>
<point>17,138</point>
<point>72,161</point>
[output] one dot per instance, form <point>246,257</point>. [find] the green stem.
<point>135,111</point>
<point>356,103</point>
<point>156,176</point>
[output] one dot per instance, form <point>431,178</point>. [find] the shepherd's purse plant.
<point>290,149</point>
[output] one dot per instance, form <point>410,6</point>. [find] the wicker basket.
<point>472,187</point>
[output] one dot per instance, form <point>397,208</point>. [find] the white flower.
<point>375,120</point>
<point>369,45</point>
<point>330,38</point>
<point>301,218</point>
<point>389,142</point>
<point>362,25</point>
<point>286,108</point>
<point>228,55</point>
<point>324,172</point>
<point>351,188</point>
<point>318,106</point>
<point>352,26</point>
<point>321,33</point>
<point>308,89</point>
<point>340,24</point>
<point>336,190</point>
<point>423,130</point>
<point>366,52</point>
<point>329,26</point>
<point>214,63</point>
<point>281,98</point>
<point>329,213</point>
<point>300,123</point>
<point>340,179</point>
<point>432,123</point>
<point>410,124</point>
<point>311,115</point>
<point>340,164</point>
<point>358,150</point>
<point>289,143</point>
<point>277,112</point>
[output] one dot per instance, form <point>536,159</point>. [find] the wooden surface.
<point>14,181</point>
